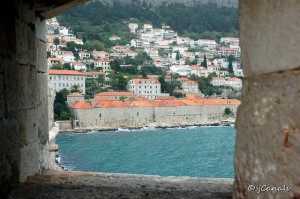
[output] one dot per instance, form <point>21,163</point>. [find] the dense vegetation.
<point>98,21</point>
<point>61,110</point>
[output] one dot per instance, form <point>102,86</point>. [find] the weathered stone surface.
<point>22,42</point>
<point>40,26</point>
<point>268,135</point>
<point>22,93</point>
<point>29,161</point>
<point>31,128</point>
<point>10,154</point>
<point>42,56</point>
<point>269,33</point>
<point>103,185</point>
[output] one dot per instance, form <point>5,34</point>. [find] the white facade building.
<point>190,87</point>
<point>60,79</point>
<point>148,88</point>
<point>133,27</point>
<point>218,81</point>
<point>234,82</point>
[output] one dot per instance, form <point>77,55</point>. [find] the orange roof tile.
<point>141,103</point>
<point>81,105</point>
<point>65,72</point>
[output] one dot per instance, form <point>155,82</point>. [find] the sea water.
<point>193,151</point>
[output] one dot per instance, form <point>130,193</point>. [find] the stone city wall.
<point>133,117</point>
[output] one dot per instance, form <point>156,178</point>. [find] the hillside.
<point>98,20</point>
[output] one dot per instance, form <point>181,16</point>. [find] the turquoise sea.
<point>192,151</point>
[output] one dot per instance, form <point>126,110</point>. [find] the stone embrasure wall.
<point>24,119</point>
<point>149,116</point>
<point>268,125</point>
<point>25,102</point>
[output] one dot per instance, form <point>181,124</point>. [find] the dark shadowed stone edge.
<point>74,184</point>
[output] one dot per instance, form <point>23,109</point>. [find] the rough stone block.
<point>26,43</point>
<point>29,161</point>
<point>40,26</point>
<point>22,42</point>
<point>26,13</point>
<point>268,135</point>
<point>21,81</point>
<point>42,88</point>
<point>269,33</point>
<point>43,123</point>
<point>42,56</point>
<point>10,152</point>
<point>32,46</point>
<point>31,128</point>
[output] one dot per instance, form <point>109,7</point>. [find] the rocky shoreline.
<point>230,122</point>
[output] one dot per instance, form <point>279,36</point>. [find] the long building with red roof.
<point>121,109</point>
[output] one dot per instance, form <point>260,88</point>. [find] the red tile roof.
<point>81,105</point>
<point>65,72</point>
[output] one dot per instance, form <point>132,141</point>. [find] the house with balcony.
<point>148,88</point>
<point>100,54</point>
<point>218,81</point>
<point>84,55</point>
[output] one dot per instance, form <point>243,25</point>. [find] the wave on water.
<point>121,129</point>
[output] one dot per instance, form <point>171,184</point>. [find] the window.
<point>59,85</point>
<point>50,77</point>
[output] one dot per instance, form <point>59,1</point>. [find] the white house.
<point>230,40</point>
<point>234,82</point>
<point>84,55</point>
<point>188,55</point>
<point>130,53</point>
<point>212,68</point>
<point>100,54</point>
<point>118,48</point>
<point>184,70</point>
<point>180,49</point>
<point>211,44</point>
<point>60,79</point>
<point>79,66</point>
<point>152,52</point>
<point>238,72</point>
<point>133,27</point>
<point>137,43</point>
<point>104,64</point>
<point>222,73</point>
<point>66,55</point>
<point>218,81</point>
<point>199,71</point>
<point>229,51</point>
<point>148,88</point>
<point>148,27</point>
<point>114,38</point>
<point>190,87</point>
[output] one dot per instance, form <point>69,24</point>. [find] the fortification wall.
<point>133,117</point>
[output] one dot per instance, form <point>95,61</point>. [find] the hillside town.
<point>180,60</point>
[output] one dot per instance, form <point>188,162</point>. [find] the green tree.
<point>230,67</point>
<point>101,79</point>
<point>67,66</point>
<point>56,42</point>
<point>204,63</point>
<point>75,89</point>
<point>227,111</point>
<point>177,55</point>
<point>56,31</point>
